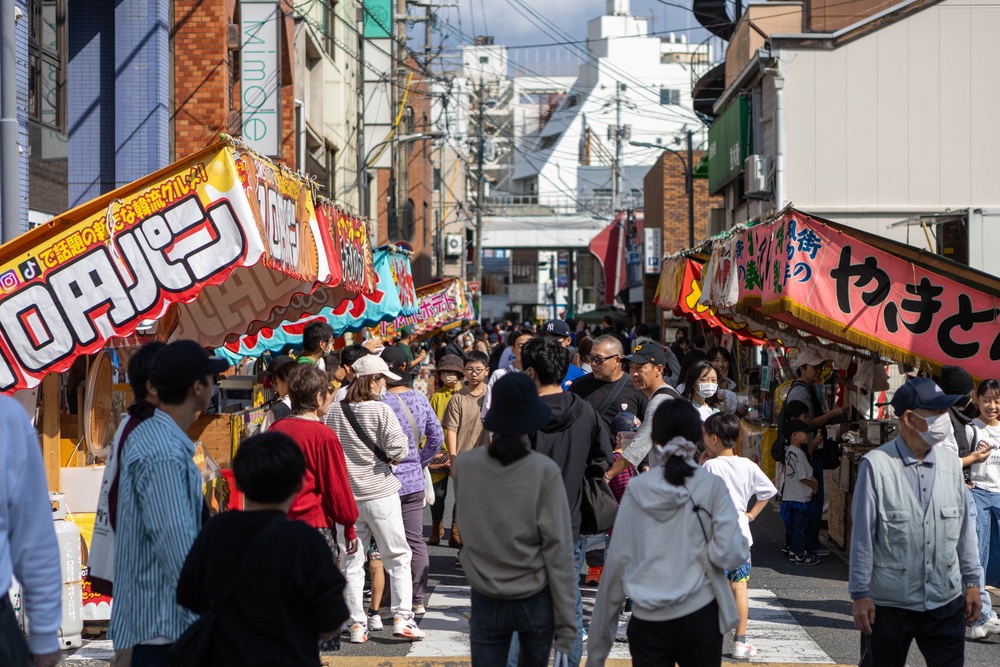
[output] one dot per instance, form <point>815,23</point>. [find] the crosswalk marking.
<point>93,650</point>
<point>772,629</point>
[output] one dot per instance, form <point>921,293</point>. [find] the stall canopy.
<point>859,289</point>
<point>394,297</point>
<point>202,249</point>
<point>440,306</point>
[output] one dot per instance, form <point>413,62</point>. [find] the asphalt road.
<point>815,598</point>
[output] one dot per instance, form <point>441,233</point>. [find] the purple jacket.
<point>410,472</point>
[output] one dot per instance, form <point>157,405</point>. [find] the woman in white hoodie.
<point>676,532</point>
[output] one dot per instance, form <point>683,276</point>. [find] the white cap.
<point>372,364</point>
<point>811,357</point>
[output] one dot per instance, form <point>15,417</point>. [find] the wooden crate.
<point>214,432</point>
<point>839,516</point>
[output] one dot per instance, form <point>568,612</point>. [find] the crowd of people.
<point>534,429</point>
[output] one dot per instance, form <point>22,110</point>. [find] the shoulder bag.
<point>428,482</point>
<point>365,438</point>
<point>613,394</point>
<point>194,647</point>
<point>598,508</point>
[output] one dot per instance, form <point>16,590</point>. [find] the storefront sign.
<point>260,74</point>
<point>441,306</point>
<point>653,249</point>
<point>805,273</point>
<point>123,260</point>
<point>729,144</point>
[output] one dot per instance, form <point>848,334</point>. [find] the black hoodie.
<point>574,438</point>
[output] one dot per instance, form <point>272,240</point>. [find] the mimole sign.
<point>260,34</point>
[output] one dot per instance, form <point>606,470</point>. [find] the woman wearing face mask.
<point>450,371</point>
<point>722,359</point>
<point>701,387</point>
<point>374,443</point>
<point>986,475</point>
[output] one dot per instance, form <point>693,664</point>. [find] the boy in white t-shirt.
<point>745,480</point>
<point>986,475</point>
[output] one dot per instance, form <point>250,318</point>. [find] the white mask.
<point>939,429</point>
<point>707,389</point>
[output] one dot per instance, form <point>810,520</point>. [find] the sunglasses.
<point>598,359</point>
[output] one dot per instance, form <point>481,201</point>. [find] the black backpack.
<point>780,444</point>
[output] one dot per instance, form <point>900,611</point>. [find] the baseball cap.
<point>811,357</point>
<point>276,363</point>
<point>922,393</point>
<point>372,364</point>
<point>398,363</point>
<point>182,363</point>
<point>557,328</point>
<point>624,422</point>
<point>648,353</point>
<point>796,425</point>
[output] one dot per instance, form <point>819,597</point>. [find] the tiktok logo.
<point>29,269</point>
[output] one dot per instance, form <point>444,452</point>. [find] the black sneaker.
<point>807,559</point>
<point>786,550</point>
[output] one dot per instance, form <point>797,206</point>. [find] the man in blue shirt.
<point>559,330</point>
<point>28,547</point>
<point>159,506</point>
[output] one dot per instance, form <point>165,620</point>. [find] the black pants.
<point>13,647</point>
<point>690,641</point>
<point>940,636</point>
<point>440,493</point>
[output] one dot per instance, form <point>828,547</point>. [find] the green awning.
<point>701,169</point>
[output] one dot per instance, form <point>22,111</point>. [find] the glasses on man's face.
<point>597,359</point>
<point>474,371</point>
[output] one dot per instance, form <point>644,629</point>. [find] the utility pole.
<point>477,260</point>
<point>401,177</point>
<point>616,170</point>
<point>10,172</point>
<point>690,189</point>
<point>360,120</point>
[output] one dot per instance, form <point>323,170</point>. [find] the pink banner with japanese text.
<point>441,305</point>
<point>818,278</point>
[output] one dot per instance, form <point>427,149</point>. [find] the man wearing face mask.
<point>914,568</point>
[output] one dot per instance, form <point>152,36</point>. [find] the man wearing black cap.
<point>914,569</point>
<point>646,365</point>
<point>159,505</point>
<point>280,406</point>
<point>560,331</point>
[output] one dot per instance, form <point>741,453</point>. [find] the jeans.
<point>576,654</point>
<point>383,518</point>
<point>440,493</point>
<point>796,517</point>
<point>940,636</point>
<point>816,505</point>
<point>13,647</point>
<point>690,641</point>
<point>413,523</point>
<point>987,612</point>
<point>150,655</point>
<point>988,516</point>
<point>496,622</point>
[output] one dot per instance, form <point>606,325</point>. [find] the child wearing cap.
<point>450,371</point>
<point>745,480</point>
<point>797,491</point>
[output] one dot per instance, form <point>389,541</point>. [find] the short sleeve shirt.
<point>462,417</point>
<point>797,468</point>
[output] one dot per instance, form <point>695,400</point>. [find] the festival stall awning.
<point>680,290</point>
<point>858,289</point>
<point>609,249</point>
<point>394,296</point>
<point>200,249</point>
<point>441,306</point>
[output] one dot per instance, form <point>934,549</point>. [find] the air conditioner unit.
<point>756,175</point>
<point>453,245</point>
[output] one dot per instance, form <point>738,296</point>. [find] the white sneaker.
<point>984,630</point>
<point>406,627</point>
<point>742,651</point>
<point>622,634</point>
<point>375,622</point>
<point>359,633</point>
<point>419,610</point>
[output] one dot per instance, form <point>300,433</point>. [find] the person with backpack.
<point>608,387</point>
<point>646,365</point>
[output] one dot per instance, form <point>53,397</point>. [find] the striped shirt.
<point>370,477</point>
<point>159,515</point>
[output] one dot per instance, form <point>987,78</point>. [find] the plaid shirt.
<point>621,480</point>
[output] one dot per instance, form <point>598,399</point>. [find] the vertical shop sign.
<point>260,34</point>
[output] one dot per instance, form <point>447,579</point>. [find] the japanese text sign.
<point>440,305</point>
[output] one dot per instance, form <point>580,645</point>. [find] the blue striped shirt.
<point>159,515</point>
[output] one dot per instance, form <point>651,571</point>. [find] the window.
<point>670,96</point>
<point>436,179</point>
<point>484,60</point>
<point>46,62</point>
<point>330,28</point>
<point>549,141</point>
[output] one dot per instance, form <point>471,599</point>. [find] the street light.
<point>688,177</point>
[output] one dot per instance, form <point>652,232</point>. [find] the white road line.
<point>777,635</point>
<point>447,632</point>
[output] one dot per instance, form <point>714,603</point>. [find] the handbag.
<point>440,463</point>
<point>194,647</point>
<point>599,507</point>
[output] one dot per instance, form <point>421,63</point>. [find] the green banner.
<point>378,19</point>
<point>729,144</point>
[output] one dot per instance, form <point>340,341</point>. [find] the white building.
<point>883,124</point>
<point>644,80</point>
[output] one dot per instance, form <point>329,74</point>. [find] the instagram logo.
<point>9,281</point>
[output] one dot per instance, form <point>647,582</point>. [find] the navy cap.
<point>922,393</point>
<point>182,363</point>
<point>557,328</point>
<point>648,353</point>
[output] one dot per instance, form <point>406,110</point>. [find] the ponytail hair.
<point>508,448</point>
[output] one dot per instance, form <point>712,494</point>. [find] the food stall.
<point>865,301</point>
<point>204,249</point>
